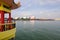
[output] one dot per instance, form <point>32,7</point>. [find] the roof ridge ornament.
<point>18,4</point>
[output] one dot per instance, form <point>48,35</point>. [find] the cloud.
<point>45,2</point>
<point>25,13</point>
<point>39,8</point>
<point>54,13</point>
<point>37,2</point>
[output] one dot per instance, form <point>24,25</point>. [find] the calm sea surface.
<point>37,30</point>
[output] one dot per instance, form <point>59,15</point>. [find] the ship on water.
<point>7,27</point>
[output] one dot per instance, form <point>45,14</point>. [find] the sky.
<point>38,8</point>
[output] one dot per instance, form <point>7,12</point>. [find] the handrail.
<point>7,23</point>
<point>8,26</point>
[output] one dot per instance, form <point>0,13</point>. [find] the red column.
<point>9,17</point>
<point>10,21</point>
<point>1,20</point>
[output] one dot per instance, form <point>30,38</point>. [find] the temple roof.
<point>11,3</point>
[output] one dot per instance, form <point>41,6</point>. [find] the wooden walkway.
<point>6,35</point>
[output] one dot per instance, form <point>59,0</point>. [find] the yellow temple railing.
<point>8,33</point>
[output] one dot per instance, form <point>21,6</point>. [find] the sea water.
<point>37,30</point>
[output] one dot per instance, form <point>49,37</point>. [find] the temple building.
<point>7,28</point>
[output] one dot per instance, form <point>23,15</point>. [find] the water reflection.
<point>24,22</point>
<point>32,22</point>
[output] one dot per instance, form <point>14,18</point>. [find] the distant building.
<point>16,18</point>
<point>32,17</point>
<point>57,19</point>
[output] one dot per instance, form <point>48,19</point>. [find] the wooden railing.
<point>8,26</point>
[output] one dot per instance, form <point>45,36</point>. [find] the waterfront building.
<point>32,17</point>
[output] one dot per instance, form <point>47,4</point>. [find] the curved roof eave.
<point>11,3</point>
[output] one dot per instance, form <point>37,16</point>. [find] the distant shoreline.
<point>36,19</point>
<point>33,19</point>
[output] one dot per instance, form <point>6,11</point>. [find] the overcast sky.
<point>38,8</point>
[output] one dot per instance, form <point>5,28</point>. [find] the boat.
<point>7,27</point>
